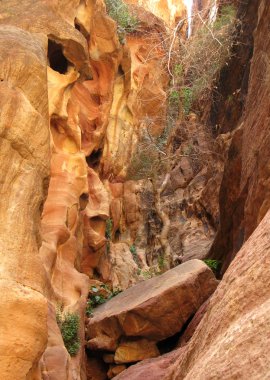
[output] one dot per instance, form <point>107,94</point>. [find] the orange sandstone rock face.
<point>168,10</point>
<point>31,28</point>
<point>128,352</point>
<point>24,140</point>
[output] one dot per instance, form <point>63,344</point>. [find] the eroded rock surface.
<point>153,309</point>
<point>24,162</point>
<point>232,339</point>
<point>245,186</point>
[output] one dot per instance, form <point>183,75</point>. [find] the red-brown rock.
<point>156,308</point>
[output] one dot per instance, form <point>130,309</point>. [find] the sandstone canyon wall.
<point>75,99</point>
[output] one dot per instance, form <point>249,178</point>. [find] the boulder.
<point>134,351</point>
<point>115,370</point>
<point>232,339</point>
<point>102,342</point>
<point>108,358</point>
<point>152,369</point>
<point>157,308</point>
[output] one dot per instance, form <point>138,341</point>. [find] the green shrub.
<point>97,298</point>
<point>161,262</point>
<point>213,264</point>
<point>186,95</point>
<point>119,12</point>
<point>133,249</point>
<point>89,308</point>
<point>115,293</point>
<point>108,231</point>
<point>69,326</point>
<point>178,70</point>
<point>208,51</point>
<point>174,97</point>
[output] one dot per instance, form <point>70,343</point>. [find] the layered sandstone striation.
<point>24,139</point>
<point>69,52</point>
<point>244,190</point>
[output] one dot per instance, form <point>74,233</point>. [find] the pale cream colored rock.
<point>168,10</point>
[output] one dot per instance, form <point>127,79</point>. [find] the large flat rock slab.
<point>157,308</point>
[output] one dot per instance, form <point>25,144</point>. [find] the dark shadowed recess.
<point>56,58</point>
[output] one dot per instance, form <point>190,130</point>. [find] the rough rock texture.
<point>24,140</point>
<point>245,185</point>
<point>157,308</point>
<point>231,342</point>
<point>191,197</point>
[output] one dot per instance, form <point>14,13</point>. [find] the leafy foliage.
<point>69,327</point>
<point>108,231</point>
<point>161,262</point>
<point>206,53</point>
<point>119,12</point>
<point>186,95</point>
<point>147,274</point>
<point>133,251</point>
<point>174,97</point>
<point>213,264</point>
<point>98,298</point>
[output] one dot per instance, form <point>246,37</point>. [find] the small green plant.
<point>227,15</point>
<point>115,293</point>
<point>174,98</point>
<point>108,231</point>
<point>89,308</point>
<point>119,12</point>
<point>206,53</point>
<point>178,70</point>
<point>186,95</point>
<point>147,274</point>
<point>213,264</point>
<point>97,298</point>
<point>133,249</point>
<point>161,262</point>
<point>134,253</point>
<point>69,326</point>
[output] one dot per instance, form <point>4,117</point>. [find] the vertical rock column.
<point>24,170</point>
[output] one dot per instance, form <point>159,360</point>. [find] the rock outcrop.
<point>232,339</point>
<point>132,322</point>
<point>245,186</point>
<point>24,161</point>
